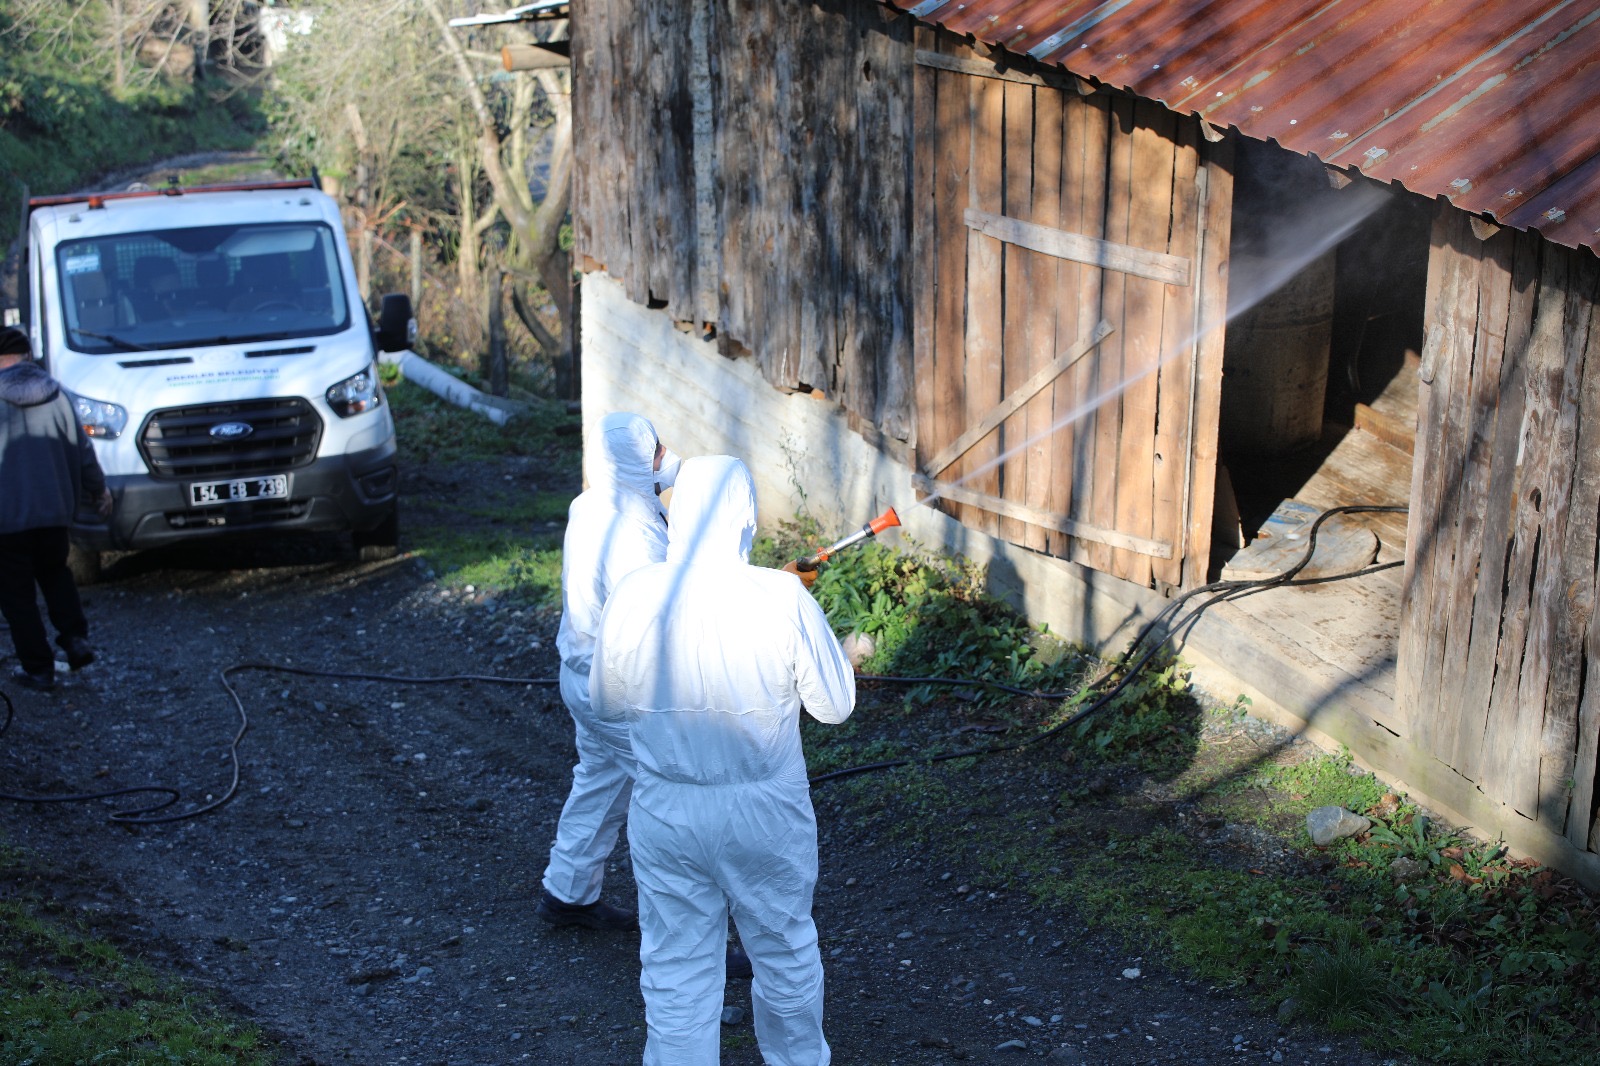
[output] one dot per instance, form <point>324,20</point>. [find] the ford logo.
<point>232,430</point>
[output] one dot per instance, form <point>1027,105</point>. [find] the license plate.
<point>240,490</point>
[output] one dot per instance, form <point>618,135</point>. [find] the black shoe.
<point>596,915</point>
<point>44,681</point>
<point>79,652</point>
<point>738,964</point>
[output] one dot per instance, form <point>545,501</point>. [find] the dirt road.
<point>366,896</point>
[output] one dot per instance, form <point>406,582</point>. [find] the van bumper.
<point>356,491</point>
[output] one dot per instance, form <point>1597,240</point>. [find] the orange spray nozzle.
<point>884,521</point>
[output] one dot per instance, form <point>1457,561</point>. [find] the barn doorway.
<point>1319,402</point>
<point>1319,391</point>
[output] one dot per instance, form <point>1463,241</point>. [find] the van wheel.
<point>85,564</point>
<point>380,542</point>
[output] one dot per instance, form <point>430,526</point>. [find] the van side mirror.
<point>397,328</point>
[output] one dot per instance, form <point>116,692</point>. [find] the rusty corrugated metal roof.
<point>1491,103</point>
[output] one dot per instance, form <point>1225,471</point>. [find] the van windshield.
<point>182,288</point>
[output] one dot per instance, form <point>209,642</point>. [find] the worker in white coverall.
<point>614,527</point>
<point>709,661</point>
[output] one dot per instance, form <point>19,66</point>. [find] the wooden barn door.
<point>1070,250</point>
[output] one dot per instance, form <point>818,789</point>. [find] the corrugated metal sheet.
<point>1491,103</point>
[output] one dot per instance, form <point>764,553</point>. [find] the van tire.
<point>85,563</point>
<point>380,542</point>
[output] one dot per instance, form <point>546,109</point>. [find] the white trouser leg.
<point>683,930</point>
<point>596,807</point>
<point>770,873</point>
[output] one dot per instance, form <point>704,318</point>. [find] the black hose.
<point>1125,665</point>
<point>1219,590</point>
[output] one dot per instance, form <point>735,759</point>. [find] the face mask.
<point>668,472</point>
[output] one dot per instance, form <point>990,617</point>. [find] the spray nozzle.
<point>884,521</point>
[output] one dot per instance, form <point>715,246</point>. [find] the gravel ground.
<point>366,896</point>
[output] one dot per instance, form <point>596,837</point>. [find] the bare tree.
<point>504,158</point>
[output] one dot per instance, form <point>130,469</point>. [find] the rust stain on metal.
<point>1416,92</point>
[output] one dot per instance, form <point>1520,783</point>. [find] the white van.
<point>221,360</point>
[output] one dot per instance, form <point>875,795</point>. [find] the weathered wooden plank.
<point>1043,279</point>
<point>1521,651</point>
<point>1175,381</point>
<point>1214,221</point>
<point>1108,255</point>
<point>1017,187</point>
<point>1070,316</point>
<point>1148,226</point>
<point>950,195</point>
<point>881,340</point>
<point>924,238</point>
<point>1553,471</point>
<point>1022,512</point>
<point>1579,829</point>
<point>1479,311</point>
<point>1448,355</point>
<point>1573,567</point>
<point>1009,406</point>
<point>1498,508</point>
<point>984,323</point>
<point>1087,431</point>
<point>1411,663</point>
<point>1110,365</point>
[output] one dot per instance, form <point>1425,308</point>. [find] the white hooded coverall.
<point>709,661</point>
<point>613,528</point>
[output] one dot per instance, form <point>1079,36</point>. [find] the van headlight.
<point>355,394</point>
<point>100,419</point>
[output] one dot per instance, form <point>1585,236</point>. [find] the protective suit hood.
<point>621,456</point>
<point>713,512</point>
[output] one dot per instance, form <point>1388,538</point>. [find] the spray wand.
<point>884,521</point>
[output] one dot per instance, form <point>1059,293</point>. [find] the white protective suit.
<point>613,528</point>
<point>709,661</point>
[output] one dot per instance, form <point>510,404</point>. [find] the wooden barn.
<point>1114,297</point>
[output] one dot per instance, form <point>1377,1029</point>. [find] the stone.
<point>732,1015</point>
<point>858,647</point>
<point>1407,869</point>
<point>1327,824</point>
<point>1065,1054</point>
<point>1012,1045</point>
<point>1287,1010</point>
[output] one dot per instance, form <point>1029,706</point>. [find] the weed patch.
<point>69,997</point>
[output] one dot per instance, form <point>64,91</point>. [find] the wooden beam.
<point>1070,526</point>
<point>1008,406</point>
<point>1126,259</point>
<point>986,69</point>
<point>536,56</point>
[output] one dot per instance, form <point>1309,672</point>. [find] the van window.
<point>182,288</point>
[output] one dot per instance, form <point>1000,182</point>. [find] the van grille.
<point>176,442</point>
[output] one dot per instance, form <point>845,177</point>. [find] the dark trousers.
<point>38,557</point>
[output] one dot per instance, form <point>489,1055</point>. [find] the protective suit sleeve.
<point>824,677</point>
<point>604,694</point>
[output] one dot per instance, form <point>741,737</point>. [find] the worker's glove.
<point>103,504</point>
<point>807,577</point>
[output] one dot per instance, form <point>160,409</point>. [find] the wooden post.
<point>495,371</point>
<point>416,268</point>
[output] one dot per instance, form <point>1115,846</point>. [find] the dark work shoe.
<point>44,681</point>
<point>739,968</point>
<point>596,915</point>
<point>79,652</point>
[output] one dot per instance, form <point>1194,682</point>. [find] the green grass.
<point>1473,960</point>
<point>495,536</point>
<point>67,997</point>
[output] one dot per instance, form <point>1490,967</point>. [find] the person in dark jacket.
<point>47,464</point>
